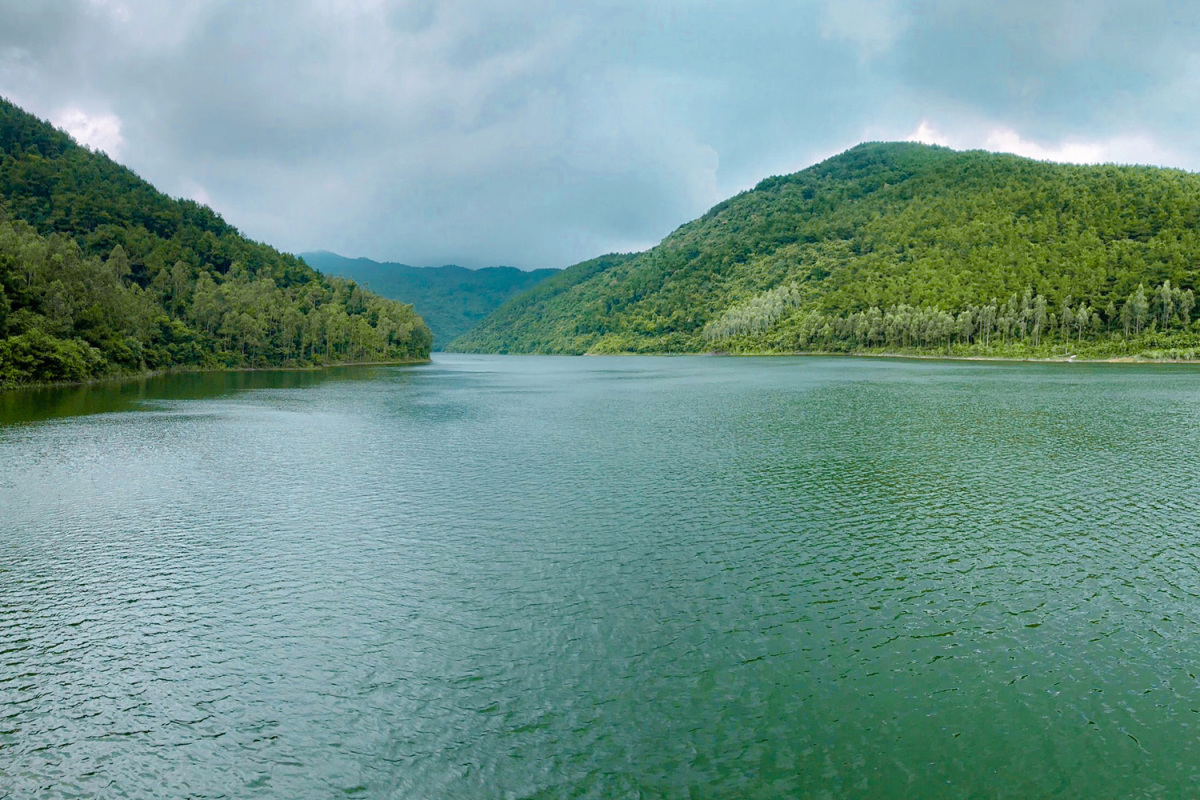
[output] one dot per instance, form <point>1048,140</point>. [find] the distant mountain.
<point>515,326</point>
<point>896,247</point>
<point>101,274</point>
<point>451,299</point>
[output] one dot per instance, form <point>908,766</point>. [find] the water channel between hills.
<point>524,577</point>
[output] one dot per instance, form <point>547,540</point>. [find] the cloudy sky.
<point>538,133</point>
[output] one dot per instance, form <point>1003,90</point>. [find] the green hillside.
<point>896,247</point>
<point>101,274</point>
<point>546,319</point>
<point>450,299</point>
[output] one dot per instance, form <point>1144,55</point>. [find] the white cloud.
<point>1072,151</point>
<point>100,132</point>
<point>1124,149</point>
<point>927,134</point>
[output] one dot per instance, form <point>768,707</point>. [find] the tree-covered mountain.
<point>102,274</point>
<point>896,247</point>
<point>450,299</point>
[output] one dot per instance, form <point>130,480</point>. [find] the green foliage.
<point>450,299</point>
<point>755,316</point>
<point>36,356</point>
<point>1022,327</point>
<point>892,234</point>
<point>508,328</point>
<point>101,274</point>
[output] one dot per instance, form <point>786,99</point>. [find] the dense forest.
<point>100,274</point>
<point>450,299</point>
<point>896,247</point>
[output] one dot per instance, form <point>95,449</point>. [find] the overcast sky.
<point>537,133</point>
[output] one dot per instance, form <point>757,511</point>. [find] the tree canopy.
<point>102,274</point>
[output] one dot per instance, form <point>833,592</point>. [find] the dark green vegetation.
<point>541,319</point>
<point>450,299</point>
<point>100,274</point>
<point>898,248</point>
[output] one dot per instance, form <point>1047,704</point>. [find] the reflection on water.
<point>606,577</point>
<point>30,405</point>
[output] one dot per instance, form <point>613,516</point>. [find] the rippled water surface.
<point>510,577</point>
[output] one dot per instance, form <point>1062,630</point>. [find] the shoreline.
<point>1001,359</point>
<point>158,373</point>
<point>140,376</point>
<point>913,356</point>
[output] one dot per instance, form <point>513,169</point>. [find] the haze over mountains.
<point>451,299</point>
<point>900,247</point>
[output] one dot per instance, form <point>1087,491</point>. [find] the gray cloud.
<point>539,133</point>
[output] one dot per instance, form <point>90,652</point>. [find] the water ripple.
<point>522,577</point>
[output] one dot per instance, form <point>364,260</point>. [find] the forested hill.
<point>101,274</point>
<point>896,247</point>
<point>450,299</point>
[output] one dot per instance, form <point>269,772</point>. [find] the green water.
<point>510,577</point>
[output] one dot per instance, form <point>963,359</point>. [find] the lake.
<point>542,577</point>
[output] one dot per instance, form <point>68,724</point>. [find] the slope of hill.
<point>900,247</point>
<point>101,274</point>
<point>544,319</point>
<point>450,299</point>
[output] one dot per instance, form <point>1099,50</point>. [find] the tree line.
<point>67,316</point>
<point>778,320</point>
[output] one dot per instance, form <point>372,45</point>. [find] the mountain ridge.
<point>451,299</point>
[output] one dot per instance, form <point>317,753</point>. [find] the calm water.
<point>615,578</point>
